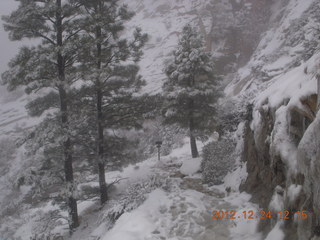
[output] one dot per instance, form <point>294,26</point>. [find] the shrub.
<point>218,158</point>
<point>134,196</point>
<point>7,151</point>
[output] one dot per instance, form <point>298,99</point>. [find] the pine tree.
<point>103,55</point>
<point>190,91</point>
<point>48,65</point>
<point>121,117</point>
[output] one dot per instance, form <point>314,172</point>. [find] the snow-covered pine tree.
<point>103,55</point>
<point>49,64</point>
<point>122,114</point>
<point>190,90</point>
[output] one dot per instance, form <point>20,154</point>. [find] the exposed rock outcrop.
<point>282,152</point>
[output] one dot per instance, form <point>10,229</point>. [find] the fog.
<point>8,48</point>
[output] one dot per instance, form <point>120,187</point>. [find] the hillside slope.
<point>268,54</point>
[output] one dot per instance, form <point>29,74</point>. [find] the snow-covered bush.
<point>45,224</point>
<point>7,150</point>
<point>133,198</point>
<point>170,135</point>
<point>217,160</point>
<point>231,113</point>
<point>46,237</point>
<point>88,191</point>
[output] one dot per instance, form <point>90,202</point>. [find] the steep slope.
<point>163,22</point>
<point>231,31</point>
<point>277,75</point>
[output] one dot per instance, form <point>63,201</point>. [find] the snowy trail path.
<point>183,211</point>
<point>189,214</point>
<point>180,210</point>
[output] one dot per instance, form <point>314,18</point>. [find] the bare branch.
<point>116,181</point>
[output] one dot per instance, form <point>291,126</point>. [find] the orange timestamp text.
<point>251,214</point>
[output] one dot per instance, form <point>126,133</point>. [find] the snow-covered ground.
<point>179,208</point>
<point>176,205</point>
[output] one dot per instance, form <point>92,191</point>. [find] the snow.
<point>293,85</point>
<point>277,201</point>
<point>281,142</point>
<point>85,206</point>
<point>179,209</point>
<point>190,166</point>
<point>276,233</point>
<point>132,173</point>
<point>274,38</point>
<point>309,144</point>
<point>244,229</point>
<point>236,178</point>
<point>278,64</point>
<point>285,93</point>
<point>140,223</point>
<point>184,212</point>
<point>163,21</point>
<point>297,8</point>
<point>293,192</point>
<point>278,59</point>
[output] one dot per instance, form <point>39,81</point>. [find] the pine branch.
<point>116,181</point>
<point>46,38</point>
<point>72,35</point>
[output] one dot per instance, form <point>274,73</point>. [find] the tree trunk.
<point>318,83</point>
<point>100,142</point>
<point>100,137</point>
<point>193,143</point>
<point>67,146</point>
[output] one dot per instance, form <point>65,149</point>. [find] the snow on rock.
<point>293,85</point>
<point>277,201</point>
<point>246,229</point>
<point>243,229</point>
<point>276,233</point>
<point>234,179</point>
<point>277,65</point>
<point>190,166</point>
<point>280,82</point>
<point>308,164</point>
<point>293,192</point>
<point>281,143</point>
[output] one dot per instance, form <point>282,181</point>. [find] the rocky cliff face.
<point>282,134</point>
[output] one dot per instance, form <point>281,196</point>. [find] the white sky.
<point>8,49</point>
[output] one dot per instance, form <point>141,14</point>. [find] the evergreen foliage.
<point>49,64</point>
<point>191,89</point>
<point>111,81</point>
<point>218,159</point>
